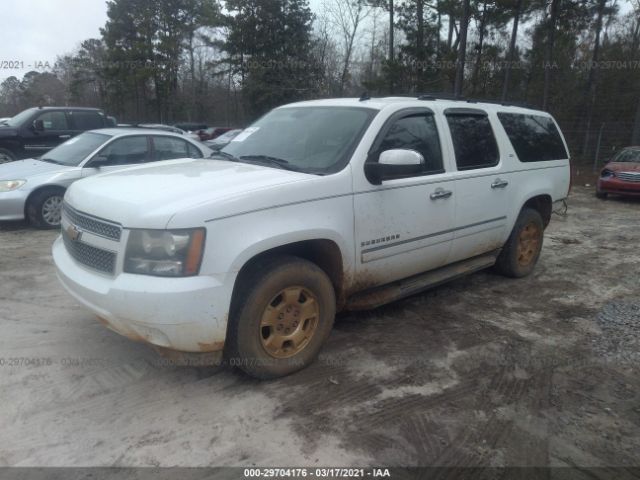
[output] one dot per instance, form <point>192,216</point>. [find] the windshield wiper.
<point>225,155</point>
<point>50,160</point>
<point>269,160</point>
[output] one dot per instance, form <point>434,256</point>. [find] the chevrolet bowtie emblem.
<point>73,233</point>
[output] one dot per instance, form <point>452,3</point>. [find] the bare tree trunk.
<point>462,49</point>
<point>548,57</point>
<point>391,46</point>
<point>590,90</point>
<point>635,136</point>
<point>476,68</point>
<point>512,51</point>
<point>420,45</point>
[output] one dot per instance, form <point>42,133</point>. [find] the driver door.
<point>404,226</point>
<point>56,130</point>
<point>118,154</point>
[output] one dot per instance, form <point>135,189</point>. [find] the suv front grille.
<point>92,257</point>
<point>93,225</point>
<point>628,176</point>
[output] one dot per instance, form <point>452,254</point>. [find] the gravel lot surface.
<point>483,371</point>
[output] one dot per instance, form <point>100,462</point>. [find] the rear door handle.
<point>499,183</point>
<point>64,137</point>
<point>440,193</point>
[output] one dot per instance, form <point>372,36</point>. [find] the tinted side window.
<point>126,151</point>
<point>473,141</point>
<point>168,148</point>
<point>534,138</point>
<point>54,121</point>
<point>419,133</point>
<point>87,120</point>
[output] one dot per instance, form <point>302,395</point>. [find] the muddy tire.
<point>44,209</point>
<point>282,312</point>
<point>6,156</point>
<point>601,195</point>
<point>522,250</point>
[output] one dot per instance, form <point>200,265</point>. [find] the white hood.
<point>149,196</point>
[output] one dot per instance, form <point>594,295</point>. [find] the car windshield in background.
<point>74,151</point>
<point>315,140</point>
<point>630,155</point>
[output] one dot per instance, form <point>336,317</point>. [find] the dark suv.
<point>37,130</point>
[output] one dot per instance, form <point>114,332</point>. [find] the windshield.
<point>316,140</point>
<point>20,118</point>
<point>74,151</point>
<point>630,155</point>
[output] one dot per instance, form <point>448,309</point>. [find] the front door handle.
<point>499,183</point>
<point>440,193</point>
<point>64,137</point>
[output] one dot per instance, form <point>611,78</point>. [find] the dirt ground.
<point>485,371</point>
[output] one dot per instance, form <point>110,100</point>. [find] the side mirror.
<point>98,161</point>
<point>38,125</point>
<point>396,163</point>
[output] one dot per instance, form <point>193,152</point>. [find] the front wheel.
<point>601,195</point>
<point>6,156</point>
<point>283,311</point>
<point>45,208</point>
<point>522,250</point>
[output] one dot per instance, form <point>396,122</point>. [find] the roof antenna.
<point>365,96</point>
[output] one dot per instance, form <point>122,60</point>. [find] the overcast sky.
<point>37,31</point>
<point>34,32</point>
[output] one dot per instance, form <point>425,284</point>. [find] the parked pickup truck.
<point>35,131</point>
<point>318,207</point>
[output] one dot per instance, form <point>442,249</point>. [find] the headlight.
<point>165,253</point>
<point>8,185</point>
<point>607,173</point>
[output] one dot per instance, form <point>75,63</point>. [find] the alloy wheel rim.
<point>4,158</point>
<point>289,322</point>
<point>529,242</point>
<point>52,210</point>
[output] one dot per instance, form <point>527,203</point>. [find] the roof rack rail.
<point>439,96</point>
<point>505,103</point>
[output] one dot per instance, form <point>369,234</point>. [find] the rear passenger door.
<point>404,225</point>
<point>482,185</point>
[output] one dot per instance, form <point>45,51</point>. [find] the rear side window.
<point>193,151</point>
<point>87,120</point>
<point>169,148</point>
<point>534,138</point>
<point>416,132</point>
<point>473,141</point>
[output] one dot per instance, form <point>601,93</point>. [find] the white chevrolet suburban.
<point>318,207</point>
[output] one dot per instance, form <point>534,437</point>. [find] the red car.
<point>621,175</point>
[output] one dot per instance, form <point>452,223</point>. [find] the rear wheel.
<point>281,315</point>
<point>44,209</point>
<point>6,156</point>
<point>522,250</point>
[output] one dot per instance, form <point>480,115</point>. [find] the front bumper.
<point>616,186</point>
<point>12,204</point>
<point>185,314</point>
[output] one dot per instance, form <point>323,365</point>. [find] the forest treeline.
<point>227,62</point>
